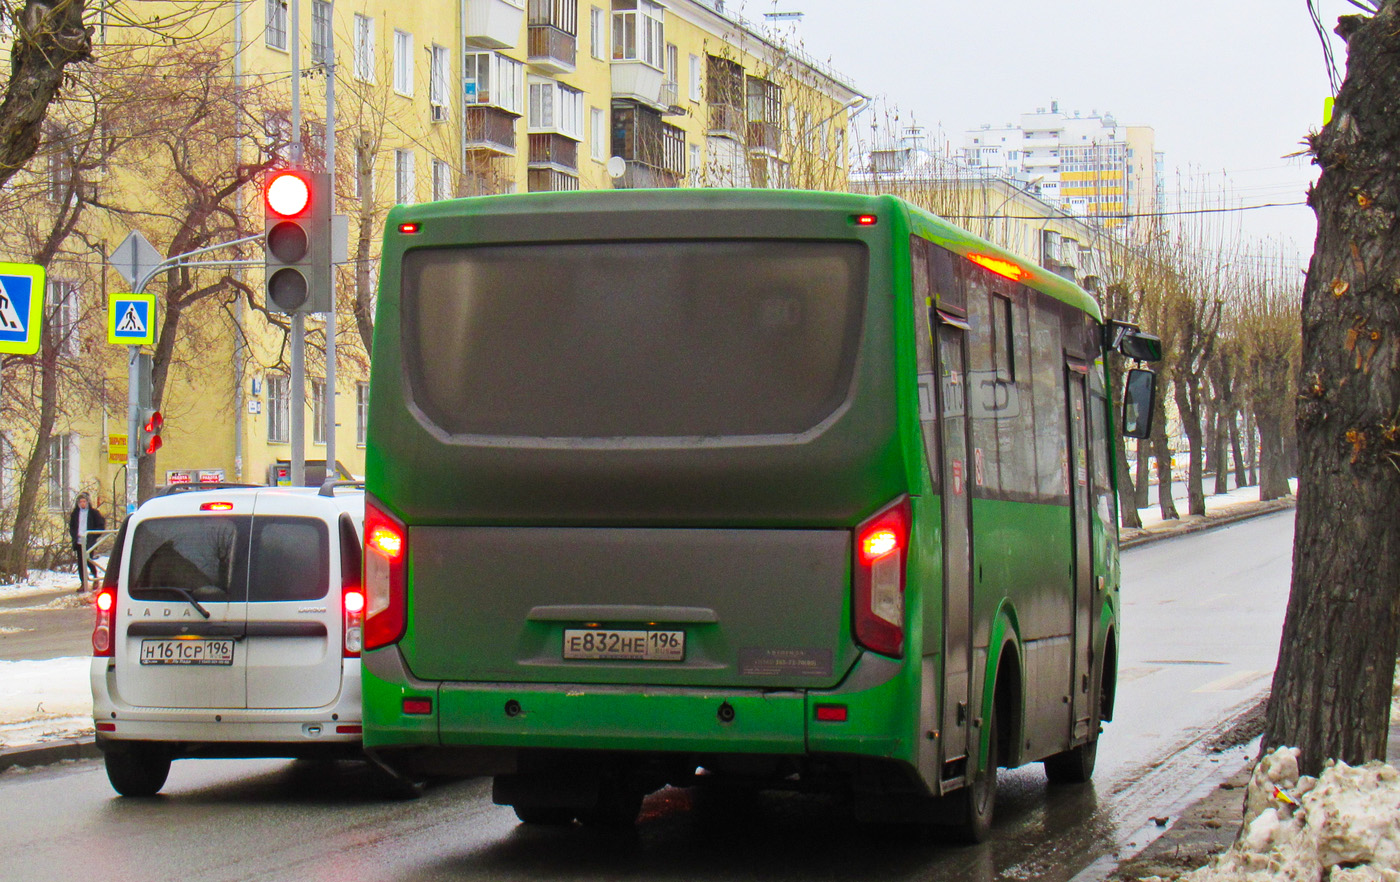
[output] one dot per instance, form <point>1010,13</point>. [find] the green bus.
<point>789,489</point>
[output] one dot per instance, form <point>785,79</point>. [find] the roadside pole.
<point>329,397</point>
<point>298,379</point>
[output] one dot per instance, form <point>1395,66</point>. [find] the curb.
<point>1198,523</point>
<point>43,754</point>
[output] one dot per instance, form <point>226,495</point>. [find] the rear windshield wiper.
<point>183,593</point>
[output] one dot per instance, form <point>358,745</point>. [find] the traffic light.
<point>151,425</point>
<point>298,241</point>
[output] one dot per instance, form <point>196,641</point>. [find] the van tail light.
<point>352,601</point>
<point>104,628</point>
<point>385,594</point>
<point>879,556</point>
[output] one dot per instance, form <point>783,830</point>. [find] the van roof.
<point>344,498</point>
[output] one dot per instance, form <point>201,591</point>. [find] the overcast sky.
<point>1230,87</point>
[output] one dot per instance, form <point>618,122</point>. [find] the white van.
<point>229,625</point>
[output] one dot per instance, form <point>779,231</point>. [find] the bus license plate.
<point>186,652</point>
<point>597,643</point>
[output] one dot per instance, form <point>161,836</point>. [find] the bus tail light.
<point>880,553</point>
<point>386,555</point>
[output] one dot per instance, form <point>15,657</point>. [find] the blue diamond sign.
<point>21,307</point>
<point>131,319</point>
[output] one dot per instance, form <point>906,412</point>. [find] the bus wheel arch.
<point>1004,689</point>
<point>1109,678</point>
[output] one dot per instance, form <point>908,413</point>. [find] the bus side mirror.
<point>1140,346</point>
<point>1139,403</point>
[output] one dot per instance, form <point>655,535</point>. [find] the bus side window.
<point>1047,391</point>
<point>922,297</point>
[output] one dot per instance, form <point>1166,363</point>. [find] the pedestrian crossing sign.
<point>131,319</point>
<point>21,307</point>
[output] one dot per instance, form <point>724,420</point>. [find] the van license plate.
<point>186,652</point>
<point>597,643</point>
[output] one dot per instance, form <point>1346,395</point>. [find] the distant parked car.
<point>229,624</point>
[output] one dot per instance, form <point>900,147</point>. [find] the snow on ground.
<point>44,700</point>
<point>1215,503</point>
<point>40,582</point>
<point>1343,826</point>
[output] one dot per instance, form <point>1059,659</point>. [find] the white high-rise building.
<point>1089,165</point>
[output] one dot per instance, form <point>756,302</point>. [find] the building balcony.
<point>552,51</point>
<point>641,175</point>
<point>764,137</point>
<point>671,96</point>
<point>727,121</point>
<point>549,150</point>
<point>490,129</point>
<point>640,82</point>
<point>494,24</point>
<point>550,180</point>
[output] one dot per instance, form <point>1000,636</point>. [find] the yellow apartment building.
<point>434,99</point>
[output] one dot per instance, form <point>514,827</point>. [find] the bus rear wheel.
<point>544,816</point>
<point>975,803</point>
<point>1073,766</point>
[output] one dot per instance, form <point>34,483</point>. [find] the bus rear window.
<point>633,339</point>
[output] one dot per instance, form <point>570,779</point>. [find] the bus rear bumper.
<point>481,728</point>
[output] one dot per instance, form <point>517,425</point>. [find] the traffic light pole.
<point>329,397</point>
<point>298,390</point>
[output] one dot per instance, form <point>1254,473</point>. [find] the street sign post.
<point>131,319</point>
<point>21,307</point>
<point>135,259</point>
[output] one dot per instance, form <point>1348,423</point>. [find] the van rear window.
<point>698,338</point>
<point>290,559</point>
<point>206,557</point>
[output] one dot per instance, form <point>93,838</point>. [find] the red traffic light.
<point>288,193</point>
<point>151,430</point>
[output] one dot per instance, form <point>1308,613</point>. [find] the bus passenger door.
<point>1081,513</point>
<point>957,547</point>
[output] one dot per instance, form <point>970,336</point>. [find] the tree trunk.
<point>1142,484</point>
<point>1273,472</point>
<point>1332,686</point>
<point>1251,447</point>
<point>16,561</point>
<point>1188,410</point>
<point>1161,449</point>
<point>1127,494</point>
<point>50,36</point>
<point>1241,478</point>
<point>1220,452</point>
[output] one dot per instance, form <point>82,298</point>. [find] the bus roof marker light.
<point>866,220</point>
<point>409,228</point>
<point>1002,267</point>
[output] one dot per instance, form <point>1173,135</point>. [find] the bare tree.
<point>49,35</point>
<point>1332,686</point>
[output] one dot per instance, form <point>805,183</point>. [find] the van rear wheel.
<point>137,769</point>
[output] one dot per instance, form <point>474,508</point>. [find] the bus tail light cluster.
<point>386,555</point>
<point>880,554</point>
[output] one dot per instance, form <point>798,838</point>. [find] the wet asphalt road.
<point>1202,617</point>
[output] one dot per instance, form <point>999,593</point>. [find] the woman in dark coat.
<point>85,519</point>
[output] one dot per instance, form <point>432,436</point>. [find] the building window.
<point>442,180</point>
<point>278,408</point>
<point>695,78</point>
<point>361,413</point>
<point>438,77</point>
<point>276,33</point>
<point>321,31</point>
<point>63,302</point>
<point>403,177</point>
<point>318,411</point>
<point>403,63</point>
<point>598,133</point>
<point>556,108</point>
<point>638,32</point>
<point>60,485</point>
<point>597,33</point>
<point>695,170</point>
<point>364,48</point>
<point>491,78</point>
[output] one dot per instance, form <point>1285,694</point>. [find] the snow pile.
<point>40,582</point>
<point>1343,826</point>
<point>42,700</point>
